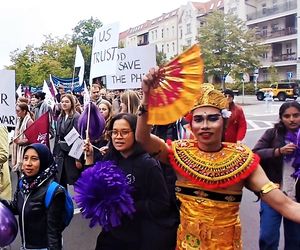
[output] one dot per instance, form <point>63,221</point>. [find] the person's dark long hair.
<point>279,126</point>
<point>131,119</point>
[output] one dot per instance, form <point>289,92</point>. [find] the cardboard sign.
<point>7,98</point>
<point>133,64</point>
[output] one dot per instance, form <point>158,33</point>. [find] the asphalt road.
<point>78,236</point>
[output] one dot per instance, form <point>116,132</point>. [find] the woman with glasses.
<point>151,227</point>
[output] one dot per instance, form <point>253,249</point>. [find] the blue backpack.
<point>69,207</point>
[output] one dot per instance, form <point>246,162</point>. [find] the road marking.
<point>256,127</point>
<point>253,124</point>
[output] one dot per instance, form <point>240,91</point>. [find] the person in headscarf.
<point>40,228</point>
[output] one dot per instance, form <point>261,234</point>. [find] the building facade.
<point>171,32</point>
<point>276,22</point>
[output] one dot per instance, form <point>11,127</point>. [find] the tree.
<point>33,65</point>
<point>84,31</point>
<point>273,73</point>
<point>83,34</point>
<point>228,46</point>
<point>161,58</point>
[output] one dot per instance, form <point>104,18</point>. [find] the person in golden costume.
<point>211,173</point>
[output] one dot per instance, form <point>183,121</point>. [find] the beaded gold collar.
<point>220,169</point>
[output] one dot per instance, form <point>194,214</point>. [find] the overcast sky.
<point>24,22</point>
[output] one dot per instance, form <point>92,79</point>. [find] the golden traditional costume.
<point>209,217</point>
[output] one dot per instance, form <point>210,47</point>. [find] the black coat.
<point>66,164</point>
<point>272,165</point>
<point>153,226</point>
<point>39,227</point>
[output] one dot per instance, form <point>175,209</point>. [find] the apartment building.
<point>173,31</point>
<point>277,23</point>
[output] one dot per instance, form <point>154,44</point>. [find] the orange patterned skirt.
<point>207,224</point>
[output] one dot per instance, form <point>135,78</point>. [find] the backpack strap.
<point>50,193</point>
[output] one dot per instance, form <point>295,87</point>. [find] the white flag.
<point>53,87</point>
<point>86,95</point>
<point>19,90</point>
<point>79,62</point>
<point>48,97</point>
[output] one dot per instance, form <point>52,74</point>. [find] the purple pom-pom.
<point>97,122</point>
<point>103,195</point>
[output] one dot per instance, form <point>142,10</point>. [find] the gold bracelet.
<point>268,187</point>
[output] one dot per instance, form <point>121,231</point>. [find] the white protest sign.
<point>133,64</point>
<point>104,51</point>
<point>77,149</point>
<point>71,136</point>
<point>7,98</point>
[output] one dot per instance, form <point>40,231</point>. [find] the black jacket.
<point>65,164</point>
<point>151,224</point>
<point>272,165</point>
<point>39,228</point>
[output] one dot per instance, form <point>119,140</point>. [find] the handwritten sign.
<point>104,51</point>
<point>133,64</point>
<point>7,98</point>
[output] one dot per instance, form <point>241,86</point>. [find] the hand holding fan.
<point>179,84</point>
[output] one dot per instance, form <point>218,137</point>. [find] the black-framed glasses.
<point>123,133</point>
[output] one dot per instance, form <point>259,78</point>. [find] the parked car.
<point>281,90</point>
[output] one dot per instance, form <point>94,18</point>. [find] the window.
<point>288,48</point>
<point>162,49</point>
<point>264,31</point>
<point>188,42</point>
<point>168,48</point>
<point>275,7</point>
<point>264,8</point>
<point>188,29</point>
<point>173,31</point>
<point>173,46</point>
<point>180,33</point>
<point>162,33</point>
<point>152,35</point>
<point>275,27</point>
<point>167,33</point>
<point>155,34</point>
<point>265,55</point>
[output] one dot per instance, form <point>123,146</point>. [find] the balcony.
<point>280,8</point>
<point>277,33</point>
<point>284,57</point>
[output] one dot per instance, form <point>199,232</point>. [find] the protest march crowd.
<point>165,186</point>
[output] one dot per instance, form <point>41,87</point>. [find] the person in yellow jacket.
<point>5,181</point>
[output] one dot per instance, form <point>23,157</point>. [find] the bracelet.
<point>279,151</point>
<point>142,109</point>
<point>268,187</point>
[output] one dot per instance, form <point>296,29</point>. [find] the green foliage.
<point>84,31</point>
<point>273,73</point>
<point>55,56</point>
<point>33,65</point>
<point>161,58</point>
<point>228,46</point>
